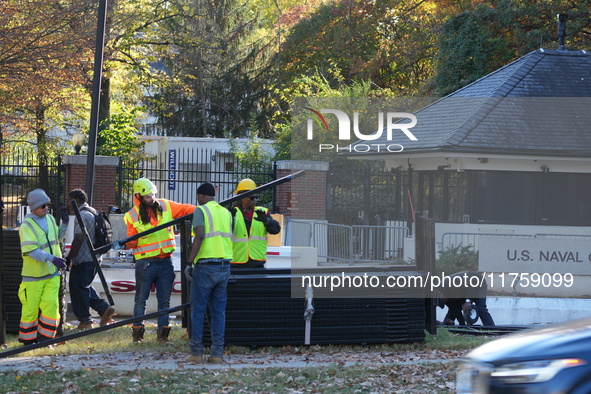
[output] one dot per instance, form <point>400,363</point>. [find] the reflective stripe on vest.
<point>249,246</point>
<point>217,228</point>
<point>153,244</point>
<point>33,237</point>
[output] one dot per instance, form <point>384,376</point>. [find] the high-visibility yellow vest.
<point>217,227</point>
<point>157,242</point>
<point>33,237</point>
<point>253,245</point>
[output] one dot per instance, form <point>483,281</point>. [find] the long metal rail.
<point>80,334</point>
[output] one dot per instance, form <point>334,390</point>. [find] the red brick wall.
<point>105,180</point>
<point>305,196</point>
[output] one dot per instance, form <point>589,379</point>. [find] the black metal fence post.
<point>2,313</point>
<point>425,261</point>
<point>185,284</point>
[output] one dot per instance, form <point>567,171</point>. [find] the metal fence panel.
<point>378,243</point>
<point>178,173</point>
<point>20,172</point>
<point>334,241</point>
<point>299,233</point>
<point>337,242</point>
<point>365,194</point>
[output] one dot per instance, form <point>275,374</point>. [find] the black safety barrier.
<point>80,334</point>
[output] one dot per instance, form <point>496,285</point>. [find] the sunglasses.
<point>252,198</point>
<point>44,206</point>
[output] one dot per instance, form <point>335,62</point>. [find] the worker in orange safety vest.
<point>152,253</point>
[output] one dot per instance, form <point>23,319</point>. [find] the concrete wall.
<point>518,311</point>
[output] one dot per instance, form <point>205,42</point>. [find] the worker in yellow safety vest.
<point>152,253</point>
<point>42,264</point>
<point>209,272</point>
<point>251,225</point>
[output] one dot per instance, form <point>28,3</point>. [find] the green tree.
<point>390,43</point>
<point>214,62</point>
<point>252,157</point>
<point>490,34</point>
<point>120,135</point>
<point>43,54</point>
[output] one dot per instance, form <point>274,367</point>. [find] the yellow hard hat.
<point>244,185</point>
<point>144,186</point>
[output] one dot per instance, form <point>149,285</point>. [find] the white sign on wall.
<point>535,255</point>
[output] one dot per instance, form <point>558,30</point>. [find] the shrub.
<point>456,259</point>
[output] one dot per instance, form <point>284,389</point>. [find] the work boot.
<point>85,326</point>
<point>106,316</point>
<point>137,333</point>
<point>196,359</point>
<point>215,360</point>
<point>162,335</point>
<point>33,341</point>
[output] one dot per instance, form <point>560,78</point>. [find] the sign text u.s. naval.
<point>535,255</point>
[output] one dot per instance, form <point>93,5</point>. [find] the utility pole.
<point>96,97</point>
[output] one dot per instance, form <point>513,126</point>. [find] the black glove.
<point>59,263</point>
<point>189,273</point>
<point>233,212</point>
<point>65,218</point>
<point>261,216</point>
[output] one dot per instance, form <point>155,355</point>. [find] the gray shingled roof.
<point>539,104</point>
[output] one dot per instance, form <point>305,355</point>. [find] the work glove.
<point>118,245</point>
<point>59,263</point>
<point>65,218</point>
<point>189,273</point>
<point>261,216</point>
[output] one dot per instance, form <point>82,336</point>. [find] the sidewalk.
<point>176,360</point>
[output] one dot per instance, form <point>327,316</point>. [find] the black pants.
<point>455,313</point>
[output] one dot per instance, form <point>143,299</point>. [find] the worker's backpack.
<point>103,232</point>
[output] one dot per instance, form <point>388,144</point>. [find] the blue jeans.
<point>485,316</point>
<point>157,272</point>
<point>82,294</point>
<point>209,288</point>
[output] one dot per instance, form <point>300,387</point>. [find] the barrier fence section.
<point>336,242</point>
<point>21,172</point>
<point>178,173</point>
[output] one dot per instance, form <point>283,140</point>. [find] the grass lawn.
<point>394,368</point>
